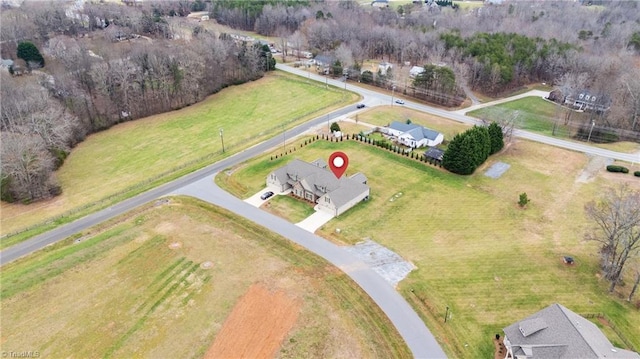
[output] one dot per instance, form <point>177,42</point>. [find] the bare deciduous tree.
<point>617,228</point>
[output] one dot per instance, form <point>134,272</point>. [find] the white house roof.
<point>557,332</point>
<point>415,131</point>
<point>416,70</point>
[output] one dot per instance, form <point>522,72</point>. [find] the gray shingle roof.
<point>416,131</point>
<point>316,178</point>
<point>556,332</point>
<point>435,153</point>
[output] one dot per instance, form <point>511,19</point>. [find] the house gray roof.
<point>315,177</point>
<point>435,153</point>
<point>325,60</point>
<point>7,62</point>
<point>556,332</point>
<point>416,131</point>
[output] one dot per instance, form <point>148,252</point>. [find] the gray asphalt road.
<point>57,234</point>
<point>415,333</point>
<point>373,98</point>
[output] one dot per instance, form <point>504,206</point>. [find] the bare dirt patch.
<point>595,165</point>
<point>257,325</point>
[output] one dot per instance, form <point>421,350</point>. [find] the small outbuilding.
<point>435,154</point>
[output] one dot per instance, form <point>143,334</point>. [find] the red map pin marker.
<point>338,163</point>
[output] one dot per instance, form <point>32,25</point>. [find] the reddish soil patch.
<point>257,325</point>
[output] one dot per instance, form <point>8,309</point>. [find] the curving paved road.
<point>199,184</point>
<point>412,329</point>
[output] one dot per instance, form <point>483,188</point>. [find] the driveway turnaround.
<point>315,221</point>
<point>415,333</point>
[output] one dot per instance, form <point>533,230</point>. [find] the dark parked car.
<point>360,105</point>
<point>266,195</point>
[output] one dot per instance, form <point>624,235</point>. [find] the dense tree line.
<point>437,84</point>
<point>469,149</point>
<point>500,47</point>
<point>86,88</point>
<point>500,60</point>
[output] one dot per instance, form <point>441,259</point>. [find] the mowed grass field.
<point>136,152</point>
<point>538,115</point>
<point>477,252</point>
<point>160,282</point>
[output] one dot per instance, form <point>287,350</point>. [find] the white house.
<point>415,71</point>
<point>315,183</point>
<point>414,136</point>
<point>383,67</point>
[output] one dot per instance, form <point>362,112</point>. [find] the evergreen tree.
<point>457,158</point>
<point>496,136</point>
<point>30,54</point>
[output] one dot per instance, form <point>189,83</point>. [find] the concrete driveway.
<point>315,221</point>
<point>256,201</point>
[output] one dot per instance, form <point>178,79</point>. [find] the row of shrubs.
<point>621,169</point>
<point>396,149</point>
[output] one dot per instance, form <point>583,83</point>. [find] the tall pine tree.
<point>496,136</point>
<point>30,54</point>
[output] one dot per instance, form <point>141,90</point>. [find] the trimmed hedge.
<point>636,173</point>
<point>614,168</point>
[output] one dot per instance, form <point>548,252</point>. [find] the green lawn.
<point>130,156</point>
<point>292,209</point>
<point>538,115</point>
<point>491,262</point>
<point>160,282</point>
<point>534,114</point>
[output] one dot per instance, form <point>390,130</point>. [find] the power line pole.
<point>222,139</point>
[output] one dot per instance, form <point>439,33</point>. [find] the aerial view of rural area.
<point>320,179</point>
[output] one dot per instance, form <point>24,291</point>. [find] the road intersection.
<point>200,184</point>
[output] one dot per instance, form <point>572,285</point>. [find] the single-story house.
<point>324,60</point>
<point>383,67</point>
<point>317,184</point>
<point>413,136</point>
<point>6,63</point>
<point>434,153</point>
<point>557,332</point>
<point>380,3</point>
<point>415,71</point>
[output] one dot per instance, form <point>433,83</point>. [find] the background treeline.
<point>492,49</point>
<point>107,63</point>
<point>122,67</point>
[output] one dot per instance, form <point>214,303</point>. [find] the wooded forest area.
<point>107,63</point>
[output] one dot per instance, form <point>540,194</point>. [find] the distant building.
<point>383,67</point>
<point>413,136</point>
<point>415,71</point>
<point>380,3</point>
<point>558,333</point>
